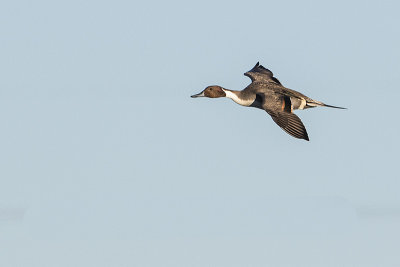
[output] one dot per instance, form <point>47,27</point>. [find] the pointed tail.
<point>315,103</point>
<point>329,106</point>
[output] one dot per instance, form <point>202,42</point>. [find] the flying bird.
<point>267,93</point>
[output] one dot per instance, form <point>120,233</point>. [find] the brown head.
<point>212,91</point>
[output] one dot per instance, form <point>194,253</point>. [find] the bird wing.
<point>279,107</point>
<point>260,74</point>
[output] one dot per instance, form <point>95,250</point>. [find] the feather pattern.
<point>260,74</point>
<point>290,123</point>
<point>276,106</point>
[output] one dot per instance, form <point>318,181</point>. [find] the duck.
<point>267,93</point>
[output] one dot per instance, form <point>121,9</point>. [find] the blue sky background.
<point>106,161</point>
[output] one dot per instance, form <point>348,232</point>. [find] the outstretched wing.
<point>290,123</point>
<point>260,74</point>
<point>280,109</point>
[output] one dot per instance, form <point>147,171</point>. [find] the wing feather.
<point>260,74</point>
<point>277,106</point>
<point>290,123</point>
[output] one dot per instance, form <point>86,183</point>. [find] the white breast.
<point>234,97</point>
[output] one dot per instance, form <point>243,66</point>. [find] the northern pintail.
<point>267,93</point>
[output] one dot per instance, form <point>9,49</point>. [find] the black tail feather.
<point>314,103</point>
<point>329,106</point>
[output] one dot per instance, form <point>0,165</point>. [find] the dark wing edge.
<point>260,73</point>
<point>290,123</point>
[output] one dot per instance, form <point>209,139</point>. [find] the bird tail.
<point>329,106</point>
<point>314,103</point>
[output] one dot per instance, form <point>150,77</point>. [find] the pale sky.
<point>107,161</point>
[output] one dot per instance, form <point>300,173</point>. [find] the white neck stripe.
<point>234,97</point>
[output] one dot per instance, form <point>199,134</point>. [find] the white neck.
<point>234,97</point>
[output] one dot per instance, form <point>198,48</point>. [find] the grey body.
<point>273,90</point>
<point>264,82</point>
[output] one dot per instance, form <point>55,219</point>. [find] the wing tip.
<point>291,124</point>
<point>303,135</point>
<point>259,66</point>
<point>255,66</point>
